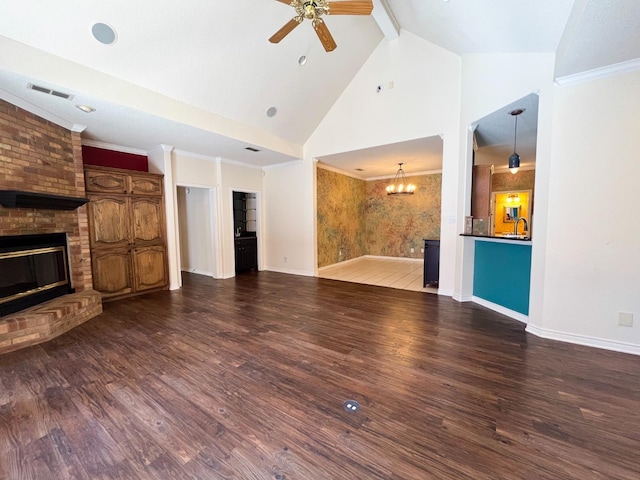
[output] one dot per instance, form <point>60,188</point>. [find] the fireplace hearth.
<point>33,270</point>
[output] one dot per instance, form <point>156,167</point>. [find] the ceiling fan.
<point>314,9</point>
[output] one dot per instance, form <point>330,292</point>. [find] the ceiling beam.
<point>383,15</point>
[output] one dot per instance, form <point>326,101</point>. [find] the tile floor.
<point>402,273</point>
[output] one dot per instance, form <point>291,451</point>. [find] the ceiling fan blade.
<point>288,2</point>
<point>350,7</point>
<point>286,30</point>
<point>324,35</point>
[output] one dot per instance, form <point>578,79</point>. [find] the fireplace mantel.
<point>21,199</point>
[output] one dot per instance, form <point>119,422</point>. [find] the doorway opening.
<point>245,223</point>
<point>198,231</point>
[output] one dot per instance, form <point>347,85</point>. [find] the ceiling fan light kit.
<point>313,10</point>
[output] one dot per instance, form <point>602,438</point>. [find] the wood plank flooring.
<point>245,379</point>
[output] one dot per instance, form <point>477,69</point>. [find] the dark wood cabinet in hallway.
<point>245,378</point>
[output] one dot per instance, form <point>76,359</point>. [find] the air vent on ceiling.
<point>251,149</point>
<point>49,91</point>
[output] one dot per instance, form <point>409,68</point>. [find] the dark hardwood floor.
<point>245,379</point>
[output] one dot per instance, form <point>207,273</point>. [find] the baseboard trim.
<point>585,340</point>
<point>344,262</point>
<point>445,293</point>
<point>377,257</point>
<point>291,271</point>
<point>199,272</point>
<point>460,298</point>
<point>500,309</point>
<point>404,259</point>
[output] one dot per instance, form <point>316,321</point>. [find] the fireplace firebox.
<point>33,269</point>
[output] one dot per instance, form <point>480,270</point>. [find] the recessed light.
<point>302,60</point>
<point>104,33</point>
<point>271,112</point>
<point>86,108</point>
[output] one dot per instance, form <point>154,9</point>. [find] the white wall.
<point>194,219</point>
<point>194,170</point>
<point>290,227</point>
<point>424,101</point>
<point>489,82</point>
<point>593,258</point>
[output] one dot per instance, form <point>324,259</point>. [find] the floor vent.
<point>49,91</point>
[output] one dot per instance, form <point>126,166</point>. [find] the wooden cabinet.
<point>126,231</point>
<point>481,191</point>
<point>431,263</point>
<point>112,180</point>
<point>112,271</point>
<point>246,249</point>
<point>149,268</point>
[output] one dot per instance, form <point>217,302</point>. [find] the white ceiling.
<point>424,154</point>
<point>201,75</point>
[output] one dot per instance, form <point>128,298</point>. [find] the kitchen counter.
<point>497,237</point>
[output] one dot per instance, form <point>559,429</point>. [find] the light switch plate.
<point>625,319</point>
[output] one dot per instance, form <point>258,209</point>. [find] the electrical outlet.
<point>285,259</point>
<point>625,319</point>
<point>340,253</point>
<point>413,250</point>
<point>422,250</point>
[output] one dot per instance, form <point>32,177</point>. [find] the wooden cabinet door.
<point>108,221</point>
<point>112,272</point>
<point>481,191</point>
<point>105,182</point>
<point>147,220</point>
<point>145,185</point>
<point>149,267</point>
<point>246,250</point>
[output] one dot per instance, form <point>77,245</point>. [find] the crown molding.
<point>324,166</point>
<point>409,175</point>
<point>599,73</point>
<point>114,147</point>
<point>199,156</point>
<point>282,164</point>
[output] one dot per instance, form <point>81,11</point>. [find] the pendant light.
<point>514,159</point>
<point>400,186</point>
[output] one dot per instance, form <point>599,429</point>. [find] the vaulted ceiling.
<point>201,75</point>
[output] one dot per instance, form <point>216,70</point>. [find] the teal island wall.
<point>502,274</point>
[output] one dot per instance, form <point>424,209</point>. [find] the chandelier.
<point>400,186</point>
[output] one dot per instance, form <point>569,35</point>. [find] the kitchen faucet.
<point>515,225</point>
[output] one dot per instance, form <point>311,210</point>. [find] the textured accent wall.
<point>358,218</point>
<point>523,180</point>
<point>39,156</point>
<point>341,217</point>
<point>397,224</point>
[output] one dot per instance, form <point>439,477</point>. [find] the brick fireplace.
<point>41,157</point>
